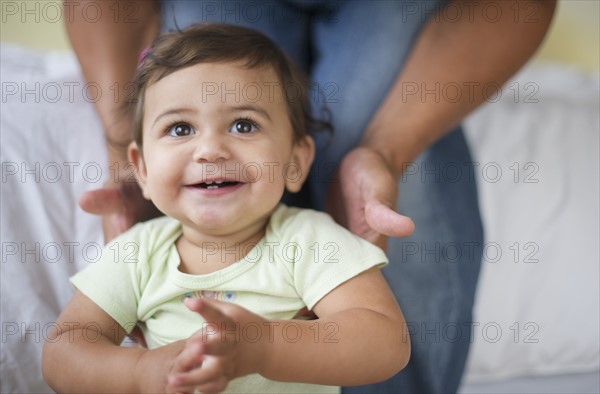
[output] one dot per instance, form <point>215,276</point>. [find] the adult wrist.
<point>398,147</point>
<point>394,160</point>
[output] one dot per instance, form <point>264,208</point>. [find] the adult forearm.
<point>455,65</point>
<point>108,47</point>
<point>337,350</point>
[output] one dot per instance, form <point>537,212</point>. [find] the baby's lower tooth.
<point>213,187</point>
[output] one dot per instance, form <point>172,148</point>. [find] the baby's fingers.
<point>209,311</point>
<point>210,378</point>
<point>218,322</point>
<point>189,358</point>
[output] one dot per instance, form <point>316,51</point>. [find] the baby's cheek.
<point>254,172</point>
<point>276,174</point>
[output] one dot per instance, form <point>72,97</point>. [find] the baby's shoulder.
<point>292,222</point>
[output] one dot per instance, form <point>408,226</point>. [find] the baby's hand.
<point>218,353</point>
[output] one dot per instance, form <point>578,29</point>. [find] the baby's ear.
<point>136,158</point>
<point>303,154</point>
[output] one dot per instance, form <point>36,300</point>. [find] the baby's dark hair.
<point>216,43</point>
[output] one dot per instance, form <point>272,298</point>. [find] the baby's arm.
<point>359,313</point>
<point>371,338</point>
<point>359,338</point>
<point>82,354</point>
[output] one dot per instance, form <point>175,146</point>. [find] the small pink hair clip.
<point>143,55</point>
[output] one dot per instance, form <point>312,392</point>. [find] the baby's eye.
<point>243,127</point>
<point>180,130</point>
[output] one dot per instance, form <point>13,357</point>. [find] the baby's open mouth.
<point>215,184</point>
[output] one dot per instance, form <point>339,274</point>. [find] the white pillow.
<point>537,307</point>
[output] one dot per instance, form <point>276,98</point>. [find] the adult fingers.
<point>385,220</point>
<point>102,201</point>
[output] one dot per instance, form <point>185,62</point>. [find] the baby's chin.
<point>217,226</point>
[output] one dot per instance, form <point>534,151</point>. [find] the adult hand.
<point>120,203</point>
<point>362,197</point>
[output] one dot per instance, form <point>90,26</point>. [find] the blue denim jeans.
<point>353,52</point>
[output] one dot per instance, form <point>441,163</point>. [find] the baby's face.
<point>218,147</point>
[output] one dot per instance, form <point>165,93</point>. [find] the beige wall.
<point>574,36</point>
<point>43,28</point>
<point>573,39</point>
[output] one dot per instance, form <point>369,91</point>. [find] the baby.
<point>221,119</point>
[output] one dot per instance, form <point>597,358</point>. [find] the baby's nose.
<point>211,148</point>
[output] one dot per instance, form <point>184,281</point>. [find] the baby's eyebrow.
<point>174,111</point>
<point>253,108</point>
